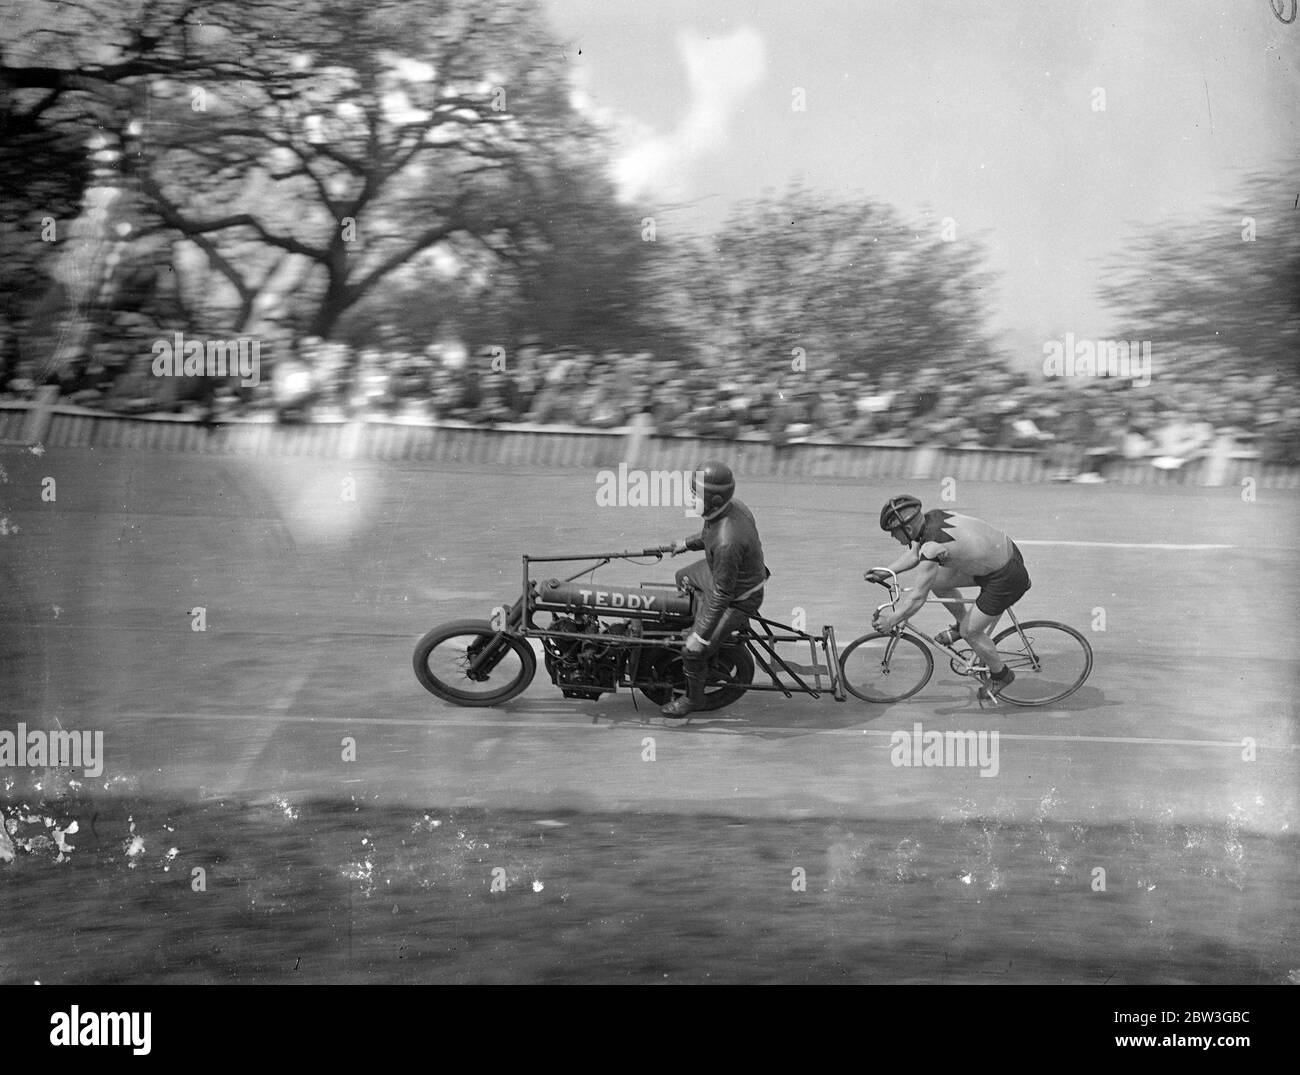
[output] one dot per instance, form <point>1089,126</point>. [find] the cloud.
<point>721,72</point>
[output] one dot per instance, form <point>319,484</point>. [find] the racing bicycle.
<point>1051,660</point>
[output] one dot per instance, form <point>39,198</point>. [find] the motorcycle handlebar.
<point>626,554</point>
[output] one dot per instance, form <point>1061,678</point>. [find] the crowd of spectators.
<point>1080,423</point>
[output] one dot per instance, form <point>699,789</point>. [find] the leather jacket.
<point>735,558</point>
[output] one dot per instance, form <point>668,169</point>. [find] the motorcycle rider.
<point>730,578</point>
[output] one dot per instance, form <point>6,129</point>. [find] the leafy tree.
<point>574,275</point>
<point>847,282</point>
<point>581,275</point>
<point>1220,292</point>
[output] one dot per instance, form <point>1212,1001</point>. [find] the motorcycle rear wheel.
<point>730,673</point>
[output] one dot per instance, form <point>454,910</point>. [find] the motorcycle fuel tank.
<point>556,596</point>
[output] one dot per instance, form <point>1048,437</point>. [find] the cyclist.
<point>730,578</point>
<point>951,551</point>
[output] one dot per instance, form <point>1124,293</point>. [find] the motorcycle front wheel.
<point>444,655</point>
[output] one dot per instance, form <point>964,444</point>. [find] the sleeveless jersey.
<point>964,543</point>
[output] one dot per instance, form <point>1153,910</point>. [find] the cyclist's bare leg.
<point>977,629</point>
<point>946,589</point>
<point>951,599</point>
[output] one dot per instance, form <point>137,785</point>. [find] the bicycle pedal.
<point>984,693</point>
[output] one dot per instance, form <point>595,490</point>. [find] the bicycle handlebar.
<point>890,584</point>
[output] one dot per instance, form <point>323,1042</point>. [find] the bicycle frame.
<point>970,664</point>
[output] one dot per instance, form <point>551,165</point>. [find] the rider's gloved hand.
<point>679,547</point>
<point>694,643</point>
<point>877,574</point>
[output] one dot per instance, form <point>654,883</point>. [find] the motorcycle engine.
<point>587,667</point>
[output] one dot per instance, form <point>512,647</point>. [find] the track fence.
<point>60,426</point>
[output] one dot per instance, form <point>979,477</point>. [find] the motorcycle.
<point>604,638</point>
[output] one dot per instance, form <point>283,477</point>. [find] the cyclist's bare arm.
<point>911,602</point>
<point>908,560</point>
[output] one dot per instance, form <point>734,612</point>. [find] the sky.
<point>985,112</point>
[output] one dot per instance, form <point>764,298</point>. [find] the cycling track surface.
<point>1142,830</point>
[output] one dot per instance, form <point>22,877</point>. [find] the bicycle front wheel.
<point>1050,660</point>
<point>885,667</point>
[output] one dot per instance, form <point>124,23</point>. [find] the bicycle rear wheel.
<point>1050,660</point>
<point>885,667</point>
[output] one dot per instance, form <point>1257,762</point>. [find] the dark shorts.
<point>1004,587</point>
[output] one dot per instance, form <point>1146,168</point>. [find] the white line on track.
<point>435,723</point>
<point>1127,545</point>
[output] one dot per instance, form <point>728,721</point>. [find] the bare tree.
<point>338,141</point>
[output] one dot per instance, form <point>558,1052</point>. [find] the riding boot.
<point>695,666</point>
